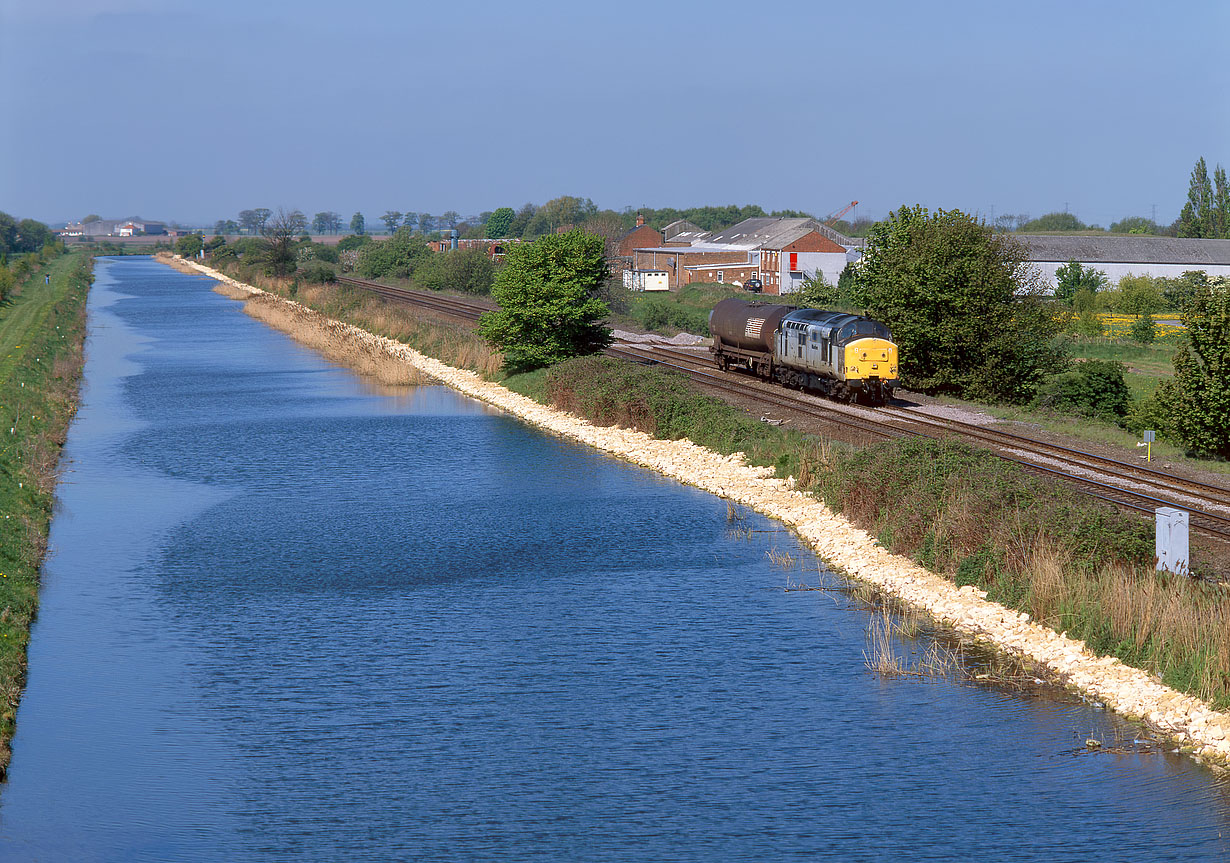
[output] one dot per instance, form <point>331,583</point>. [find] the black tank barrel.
<point>748,326</point>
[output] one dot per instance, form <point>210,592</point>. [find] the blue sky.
<point>193,111</point>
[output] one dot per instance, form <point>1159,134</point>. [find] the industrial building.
<point>1121,255</point>
<point>781,252</point>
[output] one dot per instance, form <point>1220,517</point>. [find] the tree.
<point>1135,225</point>
<point>280,234</point>
<point>391,218</point>
<point>358,225</point>
<point>1197,401</point>
<point>409,220</point>
<point>550,308</point>
<point>1196,218</point>
<point>966,309</point>
<point>32,236</point>
<point>451,218</point>
<point>1142,329</point>
<point>1139,295</point>
<point>327,222</point>
<point>189,245</point>
<point>426,222</point>
<point>500,223</point>
<point>249,221</point>
<point>92,217</point>
<point>1221,204</point>
<point>1072,279</point>
<point>396,256</point>
<point>1054,222</point>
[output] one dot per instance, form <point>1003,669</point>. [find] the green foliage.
<point>1142,330</point>
<point>706,218</point>
<point>189,245</point>
<point>467,270</point>
<point>817,293</point>
<point>25,235</point>
<point>1135,225</point>
<point>963,305</point>
<point>1072,279</point>
<point>396,256</point>
<point>549,304</point>
<point>353,241</point>
<point>1054,222</point>
<point>317,272</point>
<point>1199,396</point>
<point>1092,388</point>
<point>358,225</point>
<point>499,223</point>
<point>1198,216</point>
<point>1138,295</point>
<point>391,219</point>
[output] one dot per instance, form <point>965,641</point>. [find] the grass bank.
<point>1070,562</point>
<point>42,330</point>
<point>440,337</point>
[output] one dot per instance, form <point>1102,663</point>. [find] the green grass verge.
<point>41,334</point>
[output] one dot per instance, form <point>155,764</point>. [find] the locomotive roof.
<point>828,320</point>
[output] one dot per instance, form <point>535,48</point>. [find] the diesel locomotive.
<point>847,357</point>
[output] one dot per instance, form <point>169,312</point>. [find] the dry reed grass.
<point>175,263</point>
<point>334,342</point>
<point>1172,625</point>
<point>445,339</point>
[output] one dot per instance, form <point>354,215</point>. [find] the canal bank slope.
<point>1130,691</point>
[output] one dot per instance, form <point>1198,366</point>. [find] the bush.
<point>317,272</point>
<point>354,241</point>
<point>397,256</point>
<point>1142,330</point>
<point>965,306</point>
<point>467,270</point>
<point>1092,388</point>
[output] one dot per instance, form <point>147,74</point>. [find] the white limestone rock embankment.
<point>1185,719</point>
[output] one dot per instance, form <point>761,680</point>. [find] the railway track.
<point>451,306</point>
<point>1125,484</point>
<point>1122,483</point>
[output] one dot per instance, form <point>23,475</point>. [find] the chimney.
<point>640,220</point>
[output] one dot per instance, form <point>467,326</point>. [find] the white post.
<point>1171,540</point>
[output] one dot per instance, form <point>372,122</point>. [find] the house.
<point>1121,255</point>
<point>641,235</point>
<point>113,228</point>
<point>781,252</point>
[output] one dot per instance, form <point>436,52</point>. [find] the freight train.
<point>847,357</point>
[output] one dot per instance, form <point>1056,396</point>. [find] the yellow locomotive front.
<point>871,367</point>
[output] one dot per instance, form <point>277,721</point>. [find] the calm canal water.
<point>289,617</point>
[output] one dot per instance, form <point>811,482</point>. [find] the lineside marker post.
<point>1171,533</point>
<point>1149,436</point>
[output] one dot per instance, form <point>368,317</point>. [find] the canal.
<point>293,616</point>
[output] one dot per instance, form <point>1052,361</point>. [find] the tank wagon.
<point>847,357</point>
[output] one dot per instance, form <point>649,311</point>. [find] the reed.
<point>335,343</point>
<point>442,338</point>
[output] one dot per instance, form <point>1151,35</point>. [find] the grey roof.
<point>770,232</point>
<point>683,227</point>
<point>1126,249</point>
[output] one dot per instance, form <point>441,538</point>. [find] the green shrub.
<point>1091,388</point>
<point>354,241</point>
<point>1142,330</point>
<point>317,273</point>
